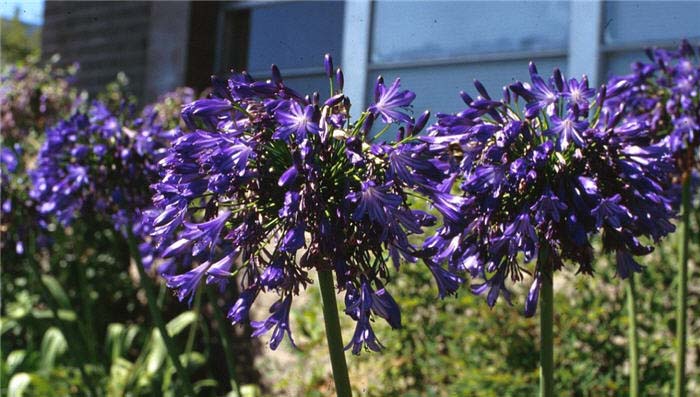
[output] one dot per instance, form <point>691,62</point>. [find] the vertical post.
<point>355,56</point>
<point>585,19</point>
<point>333,336</point>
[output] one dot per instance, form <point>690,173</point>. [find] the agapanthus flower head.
<point>16,208</point>
<point>101,162</point>
<point>295,185</point>
<point>545,169</point>
<point>35,95</point>
<point>32,96</point>
<point>662,98</point>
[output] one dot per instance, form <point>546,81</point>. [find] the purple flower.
<point>291,204</point>
<point>239,311</point>
<point>384,305</point>
<point>328,65</point>
<point>556,172</point>
<point>532,297</point>
<point>275,183</point>
<point>390,101</point>
<point>294,238</point>
<point>295,119</point>
<point>279,320</point>
<point>288,177</point>
<point>376,202</point>
<point>358,306</point>
<point>544,96</point>
<point>661,98</point>
<point>609,211</point>
<point>447,282</point>
<point>186,284</point>
<point>9,159</point>
<point>569,130</point>
<point>364,336</point>
<point>273,276</point>
<point>626,265</point>
<point>208,110</point>
<point>578,93</point>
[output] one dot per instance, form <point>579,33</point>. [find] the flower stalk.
<point>226,342</point>
<point>546,326</point>
<point>66,328</point>
<point>633,337</point>
<point>333,336</point>
<point>682,297</point>
<point>183,375</point>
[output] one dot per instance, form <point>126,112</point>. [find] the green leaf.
<point>6,325</point>
<point>14,360</point>
<point>204,383</point>
<point>67,315</point>
<point>63,314</point>
<point>119,373</point>
<point>56,290</point>
<point>18,384</point>
<point>250,390</point>
<point>52,345</point>
<point>192,360</point>
<point>131,333</point>
<point>179,323</point>
<point>156,355</point>
<point>114,340</point>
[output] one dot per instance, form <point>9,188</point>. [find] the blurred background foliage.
<point>461,347</point>
<point>18,40</point>
<point>74,322</point>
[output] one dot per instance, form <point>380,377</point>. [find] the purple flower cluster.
<point>35,95</point>
<point>82,165</point>
<point>270,184</point>
<point>32,95</point>
<point>663,97</point>
<point>16,210</point>
<point>544,169</point>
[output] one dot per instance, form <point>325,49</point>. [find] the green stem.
<point>226,341</point>
<point>546,325</point>
<point>86,302</point>
<point>146,284</point>
<point>195,324</point>
<point>333,336</point>
<point>633,338</point>
<point>66,329</point>
<point>682,297</point>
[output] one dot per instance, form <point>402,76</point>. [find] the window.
<point>404,31</point>
<point>438,48</point>
<point>630,27</point>
<point>293,35</point>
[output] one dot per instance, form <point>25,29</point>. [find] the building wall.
<point>438,48</point>
<point>104,37</point>
<point>149,41</point>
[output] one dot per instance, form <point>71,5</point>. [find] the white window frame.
<point>586,53</point>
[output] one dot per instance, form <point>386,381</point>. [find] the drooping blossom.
<point>32,96</point>
<point>660,101</point>
<point>101,162</point>
<point>544,169</point>
<point>294,185</point>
